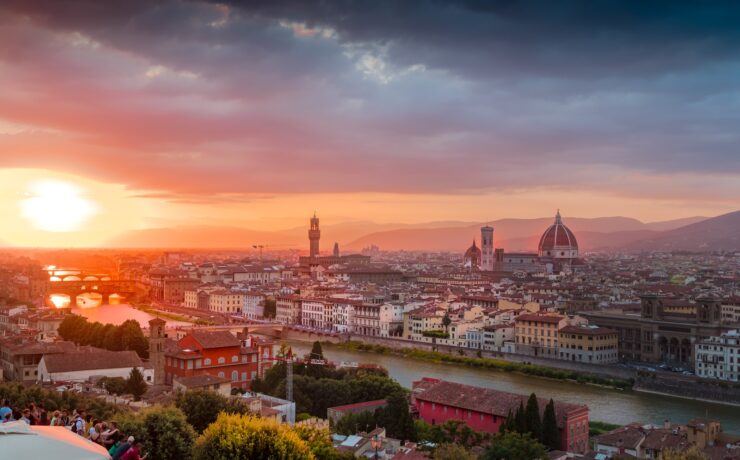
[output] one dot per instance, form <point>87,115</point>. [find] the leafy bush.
<point>201,407</point>
<point>163,431</point>
<point>246,437</point>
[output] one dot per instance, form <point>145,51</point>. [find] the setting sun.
<point>56,206</point>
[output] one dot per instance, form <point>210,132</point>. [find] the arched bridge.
<point>74,282</point>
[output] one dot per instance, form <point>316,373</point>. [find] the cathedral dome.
<point>558,242</point>
<point>472,256</point>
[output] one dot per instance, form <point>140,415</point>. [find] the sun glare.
<point>56,206</point>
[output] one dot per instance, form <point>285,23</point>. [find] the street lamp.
<point>376,442</point>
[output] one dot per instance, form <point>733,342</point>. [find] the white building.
<point>288,309</point>
<point>343,315</point>
<point>312,314</point>
<point>81,366</point>
<point>391,320</point>
<point>257,275</point>
<point>254,305</point>
<point>719,357</point>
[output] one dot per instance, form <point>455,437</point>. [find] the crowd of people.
<point>100,432</point>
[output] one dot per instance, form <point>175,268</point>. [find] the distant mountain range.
<point>603,233</point>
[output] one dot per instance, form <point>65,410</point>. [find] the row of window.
<point>189,363</point>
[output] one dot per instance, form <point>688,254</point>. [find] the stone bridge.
<point>124,288</point>
<point>266,329</point>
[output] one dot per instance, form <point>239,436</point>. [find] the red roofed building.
<point>220,354</point>
<point>485,409</point>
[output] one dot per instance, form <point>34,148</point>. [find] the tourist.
<point>134,453</point>
<point>5,409</point>
<point>26,417</point>
<point>79,424</point>
<point>56,418</point>
<point>121,450</point>
<point>8,417</point>
<point>65,419</point>
<point>34,414</point>
<point>88,423</point>
<point>110,435</point>
<point>92,433</point>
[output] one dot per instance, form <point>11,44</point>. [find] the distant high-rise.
<point>336,250</point>
<point>486,246</point>
<point>314,234</point>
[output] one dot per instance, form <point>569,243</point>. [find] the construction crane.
<point>259,246</point>
<point>289,375</point>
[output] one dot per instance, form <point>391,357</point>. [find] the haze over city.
<point>341,229</point>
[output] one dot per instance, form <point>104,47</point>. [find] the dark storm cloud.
<point>232,97</point>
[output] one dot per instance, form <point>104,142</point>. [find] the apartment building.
<point>719,357</point>
<point>223,301</point>
<point>588,344</point>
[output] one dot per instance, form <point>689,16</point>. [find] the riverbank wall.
<point>702,391</point>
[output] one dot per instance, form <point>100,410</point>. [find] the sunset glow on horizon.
<point>190,114</point>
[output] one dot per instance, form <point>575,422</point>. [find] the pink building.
<point>485,409</point>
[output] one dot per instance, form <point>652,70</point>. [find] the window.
<point>234,376</point>
<point>222,360</point>
<point>234,359</point>
<point>244,376</point>
<point>221,374</point>
<point>207,362</point>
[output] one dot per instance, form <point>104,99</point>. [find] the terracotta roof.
<point>215,339</point>
<point>628,436</point>
<point>587,330</point>
<point>540,318</point>
<point>360,405</point>
<point>202,380</point>
<point>93,360</point>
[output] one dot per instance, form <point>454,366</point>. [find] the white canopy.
<point>23,442</point>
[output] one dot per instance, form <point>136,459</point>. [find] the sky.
<point>132,114</point>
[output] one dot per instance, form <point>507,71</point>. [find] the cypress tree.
<point>550,433</point>
<point>532,416</point>
<point>520,419</point>
<point>507,424</point>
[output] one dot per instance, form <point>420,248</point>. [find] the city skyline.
<point>163,114</point>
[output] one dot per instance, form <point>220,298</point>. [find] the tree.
<point>352,423</point>
<point>234,436</point>
<point>446,321</point>
<point>550,434</point>
<point>136,384</point>
<point>508,424</point>
<point>163,430</point>
<point>320,445</point>
<point>270,308</point>
<point>514,446</point>
<point>532,416</point>
<point>113,385</point>
<point>396,418</point>
<point>316,351</point>
<point>452,452</point>
<point>201,407</point>
<point>520,419</point>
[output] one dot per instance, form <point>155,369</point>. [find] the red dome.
<point>472,256</point>
<point>558,241</point>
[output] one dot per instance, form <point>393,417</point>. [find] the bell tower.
<point>314,234</point>
<point>486,248</point>
<point>156,349</point>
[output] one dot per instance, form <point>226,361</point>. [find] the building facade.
<point>220,354</point>
<point>588,344</point>
<point>485,409</point>
<point>719,357</point>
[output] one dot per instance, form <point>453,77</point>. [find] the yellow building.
<point>588,344</point>
<point>538,334</point>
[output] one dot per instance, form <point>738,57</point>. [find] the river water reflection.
<point>606,405</point>
<point>117,314</point>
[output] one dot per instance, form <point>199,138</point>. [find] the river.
<point>118,313</point>
<point>607,405</point>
